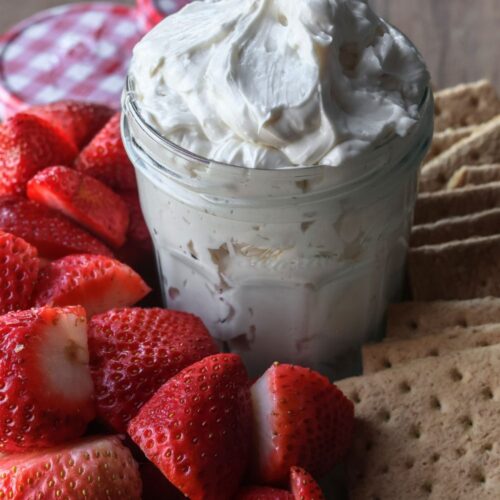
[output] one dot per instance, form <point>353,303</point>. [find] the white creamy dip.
<point>274,83</point>
<point>290,264</point>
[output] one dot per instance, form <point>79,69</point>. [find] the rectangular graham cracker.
<point>427,429</point>
<point>392,353</point>
<point>458,270</point>
<point>431,207</point>
<point>456,228</point>
<point>411,319</point>
<point>481,148</point>
<point>474,176</point>
<point>466,104</point>
<point>444,140</point>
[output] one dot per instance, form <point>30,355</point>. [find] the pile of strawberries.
<point>102,400</point>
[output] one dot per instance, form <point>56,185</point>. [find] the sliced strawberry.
<point>28,144</point>
<point>97,468</point>
<point>304,486</point>
<point>46,388</point>
<point>84,199</point>
<point>197,428</point>
<point>300,418</point>
<point>155,485</point>
<point>138,250</point>
<point>263,493</point>
<point>50,232</point>
<point>79,121</point>
<point>138,232</point>
<point>19,266</point>
<point>105,158</point>
<point>135,351</point>
<point>96,282</point>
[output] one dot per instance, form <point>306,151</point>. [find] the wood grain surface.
<point>460,39</point>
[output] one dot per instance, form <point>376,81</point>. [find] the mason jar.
<point>293,264</point>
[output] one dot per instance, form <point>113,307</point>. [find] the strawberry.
<point>79,121</point>
<point>135,351</point>
<point>138,250</point>
<point>84,199</point>
<point>138,232</point>
<point>263,493</point>
<point>28,144</point>
<point>196,429</point>
<point>155,485</point>
<point>96,282</point>
<point>46,391</point>
<point>303,485</point>
<point>105,158</point>
<point>96,468</point>
<point>19,265</point>
<point>50,232</point>
<point>300,418</point>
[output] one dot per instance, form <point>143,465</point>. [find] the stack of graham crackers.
<point>455,243</point>
<point>428,403</point>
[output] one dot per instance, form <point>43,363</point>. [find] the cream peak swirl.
<point>275,83</point>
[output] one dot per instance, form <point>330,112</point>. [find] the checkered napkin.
<point>79,51</point>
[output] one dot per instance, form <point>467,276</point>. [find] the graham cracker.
<point>466,104</point>
<point>458,270</point>
<point>480,148</point>
<point>474,176</point>
<point>411,319</point>
<point>444,140</point>
<point>485,223</point>
<point>392,353</point>
<point>427,429</point>
<point>431,207</point>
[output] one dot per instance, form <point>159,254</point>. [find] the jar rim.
<point>129,103</point>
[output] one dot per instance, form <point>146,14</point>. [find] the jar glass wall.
<point>293,265</point>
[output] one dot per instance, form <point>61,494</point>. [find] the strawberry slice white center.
<point>63,358</point>
<point>263,407</point>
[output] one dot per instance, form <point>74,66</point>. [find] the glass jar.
<point>294,265</point>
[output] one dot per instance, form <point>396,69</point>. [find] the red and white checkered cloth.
<point>78,51</point>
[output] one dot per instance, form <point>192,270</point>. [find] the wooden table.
<point>460,39</point>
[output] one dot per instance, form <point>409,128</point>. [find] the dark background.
<point>460,39</point>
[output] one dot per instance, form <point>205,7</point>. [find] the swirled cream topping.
<point>275,83</point>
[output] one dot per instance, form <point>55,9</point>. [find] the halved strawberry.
<point>46,391</point>
<point>197,428</point>
<point>19,266</point>
<point>79,121</point>
<point>84,199</point>
<point>105,158</point>
<point>263,493</point>
<point>52,234</point>
<point>304,486</point>
<point>155,485</point>
<point>137,251</point>
<point>96,282</point>
<point>301,419</point>
<point>28,144</point>
<point>97,468</point>
<point>135,351</point>
<point>138,232</point>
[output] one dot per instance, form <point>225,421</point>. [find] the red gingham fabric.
<point>152,12</point>
<point>78,51</point>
